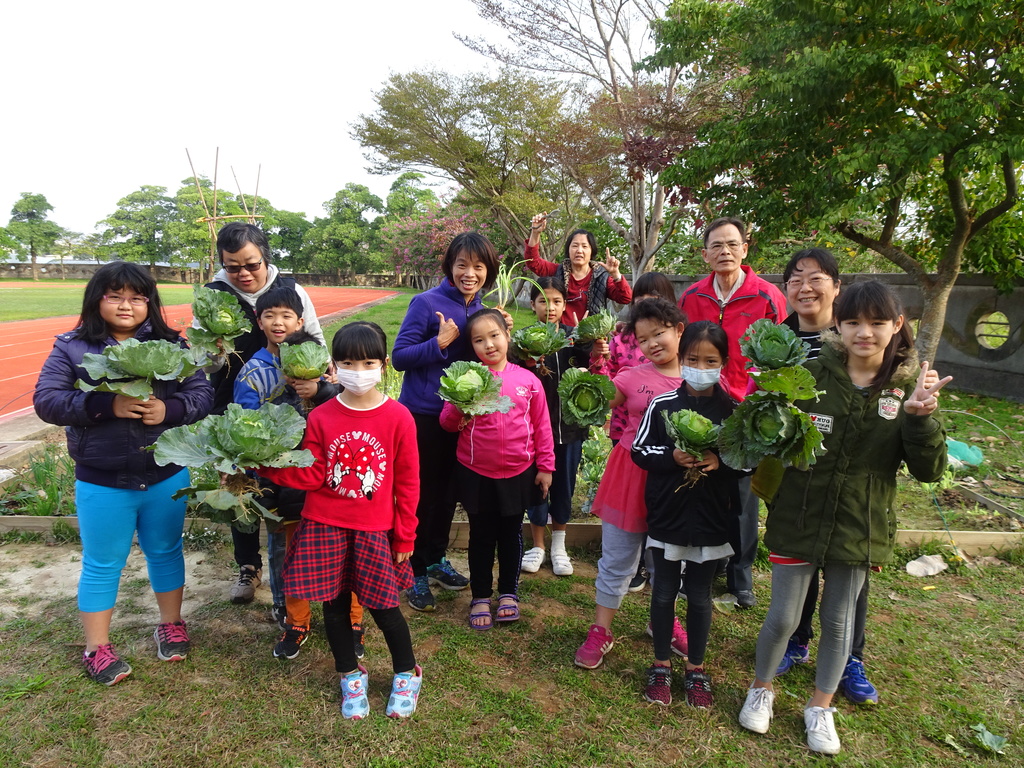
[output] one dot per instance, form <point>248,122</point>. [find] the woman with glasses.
<point>247,274</point>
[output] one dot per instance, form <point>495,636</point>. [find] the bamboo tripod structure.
<point>211,219</point>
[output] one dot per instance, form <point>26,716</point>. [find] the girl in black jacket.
<point>687,521</point>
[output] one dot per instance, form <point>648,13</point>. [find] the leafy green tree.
<point>30,228</point>
<point>407,196</point>
<point>899,125</point>
<point>347,240</point>
<point>137,230</point>
<point>477,130</point>
<point>193,242</point>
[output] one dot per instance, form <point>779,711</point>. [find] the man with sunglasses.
<point>734,297</point>
<point>247,274</point>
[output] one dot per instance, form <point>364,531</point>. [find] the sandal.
<point>485,614</point>
<point>508,611</point>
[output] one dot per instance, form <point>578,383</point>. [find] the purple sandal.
<point>511,610</point>
<point>480,614</point>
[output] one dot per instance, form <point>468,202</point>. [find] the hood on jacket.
<point>908,370</point>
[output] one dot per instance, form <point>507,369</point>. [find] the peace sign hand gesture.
<point>925,398</point>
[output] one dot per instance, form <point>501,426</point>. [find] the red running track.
<point>25,344</point>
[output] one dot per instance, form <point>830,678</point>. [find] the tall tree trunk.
<point>35,266</point>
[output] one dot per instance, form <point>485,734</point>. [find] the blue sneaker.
<point>795,654</point>
<point>405,693</point>
<point>854,683</point>
<point>443,574</point>
<point>354,704</point>
<point>419,595</point>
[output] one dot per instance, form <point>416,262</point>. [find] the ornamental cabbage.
<point>593,327</point>
<point>308,360</point>
<point>768,346</point>
<point>129,368</point>
<point>585,397</point>
<point>536,341</point>
<point>473,389</point>
<point>239,439</point>
<point>220,318</point>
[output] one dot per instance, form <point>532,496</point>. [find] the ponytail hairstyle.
<point>873,300</point>
<point>705,330</point>
<point>120,276</point>
<point>660,311</point>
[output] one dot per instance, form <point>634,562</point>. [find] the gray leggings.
<point>838,600</point>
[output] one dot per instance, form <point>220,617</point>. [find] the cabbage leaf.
<point>690,431</point>
<point>765,425</point>
<point>585,397</point>
<point>473,389</point>
<point>593,327</point>
<point>538,340</point>
<point>769,346</point>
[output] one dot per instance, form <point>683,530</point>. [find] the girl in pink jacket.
<point>505,465</point>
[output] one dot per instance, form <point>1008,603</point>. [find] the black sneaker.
<point>444,575</point>
<point>638,582</point>
<point>745,598</point>
<point>357,640</point>
<point>291,641</point>
<point>419,595</point>
<point>104,665</point>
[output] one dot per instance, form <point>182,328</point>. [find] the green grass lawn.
<point>28,300</point>
<point>944,660</point>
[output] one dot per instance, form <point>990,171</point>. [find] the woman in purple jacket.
<point>432,338</point>
<point>119,489</point>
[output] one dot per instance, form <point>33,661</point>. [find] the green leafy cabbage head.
<point>538,340</point>
<point>690,431</point>
<point>473,389</point>
<point>593,327</point>
<point>220,318</point>
<point>766,425</point>
<point>129,368</point>
<point>585,397</point>
<point>308,360</point>
<point>769,346</point>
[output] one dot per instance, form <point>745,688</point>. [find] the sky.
<point>101,98</point>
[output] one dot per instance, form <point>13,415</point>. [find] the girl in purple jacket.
<point>119,489</point>
<point>431,338</point>
<point>505,465</point>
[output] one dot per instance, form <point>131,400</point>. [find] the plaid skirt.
<point>323,561</point>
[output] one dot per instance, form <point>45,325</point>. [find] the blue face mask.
<point>701,378</point>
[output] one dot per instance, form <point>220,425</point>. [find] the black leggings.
<point>390,621</point>
<point>489,531</point>
<point>436,507</point>
<point>665,589</point>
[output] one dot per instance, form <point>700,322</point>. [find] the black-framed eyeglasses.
<point>234,269</point>
<point>135,301</point>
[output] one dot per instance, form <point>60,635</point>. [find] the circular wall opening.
<point>992,330</point>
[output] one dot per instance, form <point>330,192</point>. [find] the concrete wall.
<point>976,368</point>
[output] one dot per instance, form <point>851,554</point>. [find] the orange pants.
<point>297,608</point>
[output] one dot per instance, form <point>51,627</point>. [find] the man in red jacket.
<point>734,297</point>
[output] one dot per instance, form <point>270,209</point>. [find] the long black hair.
<point>876,301</point>
<point>359,340</point>
<point>118,276</point>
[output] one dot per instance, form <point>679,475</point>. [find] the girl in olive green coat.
<point>838,514</point>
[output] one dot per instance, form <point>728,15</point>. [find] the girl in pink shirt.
<point>504,460</point>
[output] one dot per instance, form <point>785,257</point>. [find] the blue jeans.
<point>558,504</point>
<point>107,521</point>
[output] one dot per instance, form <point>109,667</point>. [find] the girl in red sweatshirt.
<point>359,520</point>
<point>503,459</point>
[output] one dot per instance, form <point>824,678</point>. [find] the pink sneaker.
<point>599,641</point>
<point>680,641</point>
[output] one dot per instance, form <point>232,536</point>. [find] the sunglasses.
<point>234,269</point>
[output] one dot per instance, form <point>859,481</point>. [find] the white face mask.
<point>701,378</point>
<point>358,382</point>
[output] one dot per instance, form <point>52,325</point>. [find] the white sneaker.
<point>821,730</point>
<point>756,714</point>
<point>561,564</point>
<point>533,559</point>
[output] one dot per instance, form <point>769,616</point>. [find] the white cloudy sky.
<point>102,97</point>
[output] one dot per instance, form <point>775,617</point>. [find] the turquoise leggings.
<point>108,519</point>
